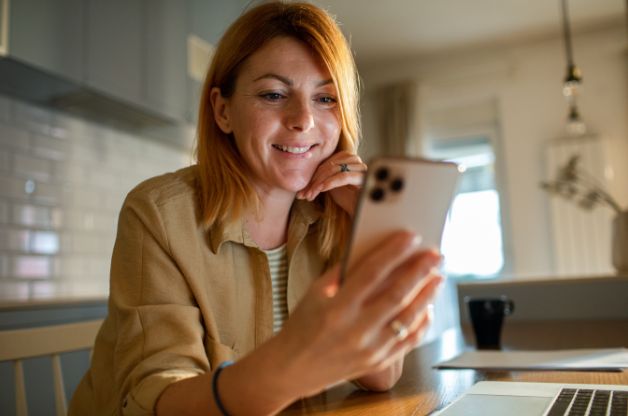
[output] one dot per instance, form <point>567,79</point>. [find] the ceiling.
<point>388,29</point>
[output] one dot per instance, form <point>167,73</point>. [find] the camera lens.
<point>381,174</point>
<point>397,184</point>
<point>377,194</point>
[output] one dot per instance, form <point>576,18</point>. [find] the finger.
<point>336,181</point>
<point>355,173</point>
<point>388,347</point>
<point>411,341</point>
<point>421,307</point>
<point>391,340</point>
<point>332,166</point>
<point>418,334</point>
<point>412,315</point>
<point>343,157</point>
<point>396,349</point>
<point>328,284</point>
<point>367,272</point>
<point>399,349</point>
<point>411,282</point>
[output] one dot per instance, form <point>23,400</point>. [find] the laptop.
<point>499,398</point>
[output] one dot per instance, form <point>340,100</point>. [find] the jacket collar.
<point>302,215</point>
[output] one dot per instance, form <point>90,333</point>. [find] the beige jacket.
<point>184,299</point>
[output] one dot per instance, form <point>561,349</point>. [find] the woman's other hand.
<point>341,175</point>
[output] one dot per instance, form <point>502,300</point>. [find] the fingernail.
<point>435,258</point>
<point>408,239</point>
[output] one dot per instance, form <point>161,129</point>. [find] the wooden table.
<point>423,390</point>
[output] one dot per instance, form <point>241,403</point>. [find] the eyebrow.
<point>288,81</point>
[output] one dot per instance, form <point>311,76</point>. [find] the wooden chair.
<point>17,345</point>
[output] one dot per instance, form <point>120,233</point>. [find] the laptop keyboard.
<point>588,402</point>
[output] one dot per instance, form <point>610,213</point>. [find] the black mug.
<point>487,316</point>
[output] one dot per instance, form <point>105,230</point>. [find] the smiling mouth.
<point>293,149</point>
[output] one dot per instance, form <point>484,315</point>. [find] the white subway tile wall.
<point>62,183</point>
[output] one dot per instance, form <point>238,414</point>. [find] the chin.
<point>295,184</point>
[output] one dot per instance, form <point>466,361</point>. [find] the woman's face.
<point>283,114</point>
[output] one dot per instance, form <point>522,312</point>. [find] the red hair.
<point>225,189</point>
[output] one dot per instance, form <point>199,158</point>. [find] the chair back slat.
<point>21,408</point>
<point>35,342</point>
<point>19,344</point>
<point>60,403</point>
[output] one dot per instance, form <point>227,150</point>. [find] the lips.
<point>296,150</point>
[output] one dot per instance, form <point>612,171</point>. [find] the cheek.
<point>250,130</point>
<point>330,129</point>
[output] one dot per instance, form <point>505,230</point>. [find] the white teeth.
<point>290,149</point>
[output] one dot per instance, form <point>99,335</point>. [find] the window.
<point>472,240</point>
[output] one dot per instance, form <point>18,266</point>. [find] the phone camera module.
<point>381,174</point>
<point>377,194</point>
<point>396,185</point>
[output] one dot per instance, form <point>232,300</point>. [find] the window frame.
<point>491,132</point>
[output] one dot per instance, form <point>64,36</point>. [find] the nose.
<point>299,115</point>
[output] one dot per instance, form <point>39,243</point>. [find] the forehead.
<point>288,57</point>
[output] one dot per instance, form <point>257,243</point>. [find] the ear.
<point>220,106</point>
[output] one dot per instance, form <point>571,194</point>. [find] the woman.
<point>210,260</point>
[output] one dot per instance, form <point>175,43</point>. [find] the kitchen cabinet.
<point>48,35</point>
<point>114,50</point>
<point>165,75</point>
<point>136,52</point>
<point>123,61</point>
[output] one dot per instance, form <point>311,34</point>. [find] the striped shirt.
<point>278,265</point>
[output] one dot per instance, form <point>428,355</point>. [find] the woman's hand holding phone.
<point>345,332</point>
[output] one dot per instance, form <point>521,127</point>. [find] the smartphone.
<point>401,194</point>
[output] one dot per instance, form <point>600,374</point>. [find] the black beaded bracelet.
<point>217,400</point>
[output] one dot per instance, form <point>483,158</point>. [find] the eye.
<point>326,100</point>
<point>272,96</point>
